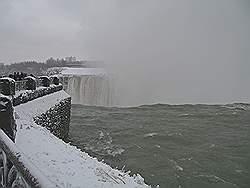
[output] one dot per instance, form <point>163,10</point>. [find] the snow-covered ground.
<point>63,165</point>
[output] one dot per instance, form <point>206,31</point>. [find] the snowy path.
<point>62,164</point>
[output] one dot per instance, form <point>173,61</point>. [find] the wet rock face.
<point>57,119</point>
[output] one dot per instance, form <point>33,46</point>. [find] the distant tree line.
<point>49,67</point>
<point>32,67</point>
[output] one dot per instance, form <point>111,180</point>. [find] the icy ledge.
<point>62,164</point>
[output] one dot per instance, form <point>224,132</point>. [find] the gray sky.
<point>169,51</point>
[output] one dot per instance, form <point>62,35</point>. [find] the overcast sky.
<point>171,51</point>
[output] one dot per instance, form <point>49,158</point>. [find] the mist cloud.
<point>160,51</point>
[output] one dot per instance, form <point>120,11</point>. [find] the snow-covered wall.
<point>52,105</point>
<point>28,95</point>
<point>46,160</point>
<point>62,164</point>
<point>57,118</point>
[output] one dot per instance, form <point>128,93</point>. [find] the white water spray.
<point>94,90</point>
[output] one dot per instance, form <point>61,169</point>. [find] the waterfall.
<point>94,90</point>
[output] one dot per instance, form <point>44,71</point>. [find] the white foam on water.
<point>215,179</point>
<point>150,134</point>
<point>103,145</point>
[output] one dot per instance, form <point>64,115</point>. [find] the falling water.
<point>94,90</point>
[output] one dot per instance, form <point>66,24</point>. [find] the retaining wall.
<point>57,119</point>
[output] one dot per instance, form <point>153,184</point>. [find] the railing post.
<point>8,125</point>
<point>7,86</point>
<point>7,122</point>
<point>45,81</point>
<point>55,80</point>
<point>31,83</point>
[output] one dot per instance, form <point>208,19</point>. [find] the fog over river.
<point>163,51</point>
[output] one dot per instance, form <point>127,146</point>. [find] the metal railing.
<point>16,170</point>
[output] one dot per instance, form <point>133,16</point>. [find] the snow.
<point>44,77</point>
<point>30,77</point>
<point>8,79</point>
<point>63,165</point>
<point>23,160</point>
<point>26,92</point>
<point>83,71</point>
<point>5,96</point>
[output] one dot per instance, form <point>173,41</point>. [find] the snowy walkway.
<point>63,165</point>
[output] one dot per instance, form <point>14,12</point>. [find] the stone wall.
<point>27,96</point>
<point>57,119</point>
<point>15,169</point>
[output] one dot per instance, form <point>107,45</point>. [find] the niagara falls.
<point>125,94</point>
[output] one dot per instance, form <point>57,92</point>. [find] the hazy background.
<point>168,51</point>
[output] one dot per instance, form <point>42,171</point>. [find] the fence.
<point>29,83</point>
<point>15,169</point>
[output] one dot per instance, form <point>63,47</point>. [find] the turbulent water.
<point>91,90</point>
<point>175,146</point>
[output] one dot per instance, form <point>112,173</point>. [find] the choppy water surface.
<point>175,146</point>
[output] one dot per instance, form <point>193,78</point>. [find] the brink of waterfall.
<point>88,86</point>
